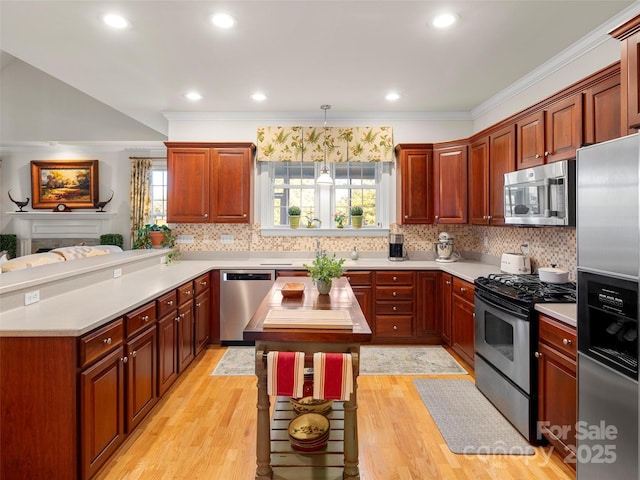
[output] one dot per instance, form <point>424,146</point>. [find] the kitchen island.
<point>307,340</point>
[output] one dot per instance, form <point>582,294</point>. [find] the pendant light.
<point>325,178</point>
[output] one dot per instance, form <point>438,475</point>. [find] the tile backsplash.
<point>547,245</point>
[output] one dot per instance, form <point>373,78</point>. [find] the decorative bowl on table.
<point>311,405</point>
<point>309,432</point>
<point>292,289</point>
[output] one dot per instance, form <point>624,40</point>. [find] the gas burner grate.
<point>529,288</point>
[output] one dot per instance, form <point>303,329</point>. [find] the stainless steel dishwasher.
<point>241,291</point>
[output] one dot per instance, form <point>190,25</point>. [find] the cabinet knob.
<point>145,318</point>
<point>406,216</point>
<point>546,154</point>
<point>437,217</point>
<point>206,215</point>
<point>182,315</point>
<point>124,360</point>
<point>394,308</point>
<point>244,215</point>
<point>538,355</point>
<point>463,289</point>
<point>566,341</point>
<point>188,292</point>
<point>395,294</point>
<point>447,282</point>
<point>107,341</point>
<point>134,353</point>
<point>198,305</point>
<point>395,279</point>
<point>538,155</point>
<point>203,283</point>
<point>489,217</point>
<point>395,327</point>
<point>170,302</point>
<point>177,319</point>
<point>349,279</point>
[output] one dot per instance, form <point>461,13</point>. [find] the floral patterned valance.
<point>307,144</point>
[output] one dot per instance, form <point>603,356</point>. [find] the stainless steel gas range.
<point>506,337</point>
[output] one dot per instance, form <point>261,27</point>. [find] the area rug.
<point>469,423</point>
<point>374,360</point>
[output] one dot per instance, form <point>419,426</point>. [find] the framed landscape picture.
<point>73,183</point>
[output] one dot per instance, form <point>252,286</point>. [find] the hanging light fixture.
<point>325,178</point>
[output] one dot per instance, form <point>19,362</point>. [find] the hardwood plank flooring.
<point>205,428</point>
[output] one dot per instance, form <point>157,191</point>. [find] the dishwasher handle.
<point>234,277</point>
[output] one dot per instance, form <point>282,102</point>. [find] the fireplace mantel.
<point>47,224</point>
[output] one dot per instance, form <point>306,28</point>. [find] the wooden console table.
<point>309,341</point>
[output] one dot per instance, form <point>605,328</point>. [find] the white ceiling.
<point>300,53</point>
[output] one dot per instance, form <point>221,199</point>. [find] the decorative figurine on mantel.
<point>101,205</point>
<point>19,204</point>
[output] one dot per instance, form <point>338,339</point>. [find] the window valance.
<point>307,144</point>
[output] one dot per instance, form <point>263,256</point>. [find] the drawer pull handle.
<point>203,283</point>
<point>395,327</point>
<point>395,279</point>
<point>538,355</point>
<point>182,315</point>
<point>395,294</point>
<point>178,319</point>
<point>124,360</point>
<point>566,341</point>
<point>394,308</point>
<point>170,302</point>
<point>145,318</point>
<point>447,282</point>
<point>133,354</point>
<point>107,341</point>
<point>188,292</point>
<point>198,305</point>
<point>463,289</point>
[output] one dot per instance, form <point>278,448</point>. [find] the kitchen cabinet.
<point>629,35</point>
<point>462,320</point>
<point>479,181</point>
<point>502,159</point>
<point>186,326</point>
<point>450,184</point>
<point>530,141</point>
<point>361,283</point>
<point>557,384</point>
<point>414,174</point>
<point>428,322</point>
<point>167,306</point>
<point>445,292</point>
<point>202,311</point>
<point>209,182</point>
<point>394,306</point>
<point>602,112</point>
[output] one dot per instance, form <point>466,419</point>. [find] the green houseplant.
<point>112,239</point>
<point>339,218</point>
<point>294,216</point>
<point>356,217</point>
<point>323,270</point>
<point>154,236</point>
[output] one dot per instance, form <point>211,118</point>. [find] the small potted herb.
<point>294,216</point>
<point>339,218</point>
<point>356,217</point>
<point>323,270</point>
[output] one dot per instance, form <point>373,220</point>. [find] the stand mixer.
<point>445,250</point>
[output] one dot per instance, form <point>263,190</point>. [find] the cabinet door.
<point>167,352</point>
<point>502,159</point>
<point>428,323</point>
<point>564,129</point>
<point>186,345</point>
<point>414,173</point>
<point>630,77</point>
<point>602,112</point>
<point>479,182</point>
<point>232,171</point>
<point>463,336</point>
<point>101,411</point>
<point>557,398</point>
<point>450,173</point>
<point>530,141</point>
<point>142,352</point>
<point>446,289</point>
<point>188,185</point>
<point>202,309</point>
<point>364,295</point>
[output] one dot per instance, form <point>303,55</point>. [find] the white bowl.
<point>553,275</point>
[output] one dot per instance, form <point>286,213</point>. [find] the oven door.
<point>502,338</point>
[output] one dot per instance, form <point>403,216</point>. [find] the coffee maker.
<point>396,247</point>
<point>444,249</point>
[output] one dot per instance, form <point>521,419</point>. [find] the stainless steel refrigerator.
<point>608,246</point>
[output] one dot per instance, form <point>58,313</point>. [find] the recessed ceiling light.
<point>259,97</point>
<point>115,21</point>
<point>445,20</point>
<point>193,96</point>
<point>223,20</point>
<point>392,96</point>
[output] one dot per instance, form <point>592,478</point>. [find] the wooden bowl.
<point>309,405</point>
<point>292,289</point>
<point>309,432</point>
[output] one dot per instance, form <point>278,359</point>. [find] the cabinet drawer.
<point>394,278</point>
<point>463,289</point>
<point>560,336</point>
<point>394,293</point>
<point>185,293</point>
<point>394,326</point>
<point>358,278</point>
<point>98,343</point>
<point>140,319</point>
<point>167,303</point>
<point>201,283</point>
<point>394,308</point>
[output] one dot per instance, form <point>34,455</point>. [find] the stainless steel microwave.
<point>541,196</point>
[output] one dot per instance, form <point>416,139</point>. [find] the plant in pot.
<point>323,270</point>
<point>339,218</point>
<point>294,216</point>
<point>356,217</point>
<point>154,236</point>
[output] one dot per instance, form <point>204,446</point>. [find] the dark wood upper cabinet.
<point>629,35</point>
<point>602,111</point>
<point>188,184</point>
<point>414,174</point>
<point>450,186</point>
<point>530,140</point>
<point>502,159</point>
<point>563,124</point>
<point>479,182</point>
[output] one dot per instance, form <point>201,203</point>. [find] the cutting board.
<point>308,319</point>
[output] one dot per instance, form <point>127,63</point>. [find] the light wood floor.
<point>204,428</point>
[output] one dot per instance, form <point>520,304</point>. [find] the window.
<point>159,192</point>
<point>355,183</point>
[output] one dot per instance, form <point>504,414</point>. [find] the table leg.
<point>263,438</point>
<point>351,471</point>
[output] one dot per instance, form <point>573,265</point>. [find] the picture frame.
<point>73,183</point>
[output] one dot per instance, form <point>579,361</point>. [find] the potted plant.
<point>339,218</point>
<point>323,270</point>
<point>294,216</point>
<point>154,236</point>
<point>356,217</point>
<point>311,220</point>
<point>112,239</point>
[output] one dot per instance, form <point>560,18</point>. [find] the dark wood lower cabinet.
<point>445,286</point>
<point>463,320</point>
<point>428,322</point>
<point>186,347</point>
<point>167,352</point>
<point>202,313</point>
<point>142,376</point>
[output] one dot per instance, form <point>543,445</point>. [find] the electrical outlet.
<point>163,260</point>
<point>524,248</point>
<point>32,297</point>
<point>186,239</point>
<point>226,239</point>
<point>117,272</point>
<point>485,241</point>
